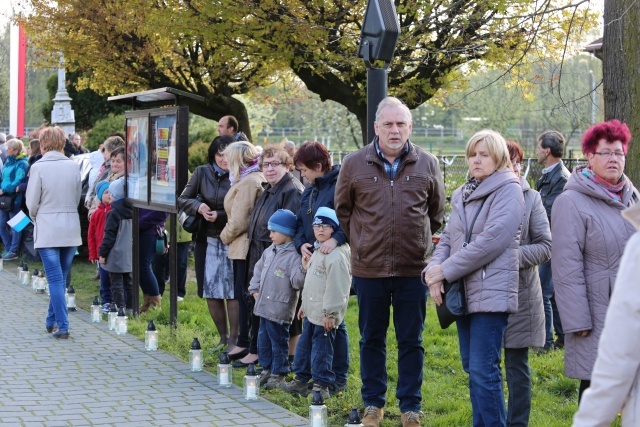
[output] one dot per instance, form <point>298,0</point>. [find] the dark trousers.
<point>340,354</point>
<point>122,289</point>
<point>551,314</point>
<point>162,268</point>
<point>105,286</point>
<point>314,355</point>
<point>273,345</point>
<point>147,252</point>
<point>516,361</point>
<point>408,297</point>
<point>244,307</point>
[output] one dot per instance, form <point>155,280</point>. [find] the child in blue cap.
<point>324,304</point>
<point>277,279</point>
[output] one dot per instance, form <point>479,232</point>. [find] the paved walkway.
<point>99,378</point>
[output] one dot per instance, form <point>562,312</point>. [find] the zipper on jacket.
<point>393,232</point>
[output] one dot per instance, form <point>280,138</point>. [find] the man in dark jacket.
<point>554,177</point>
<point>389,199</point>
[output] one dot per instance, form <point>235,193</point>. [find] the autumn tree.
<point>621,72</point>
<point>231,46</point>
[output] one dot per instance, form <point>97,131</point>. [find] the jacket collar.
<point>329,177</point>
<point>373,157</point>
<point>53,156</point>
<point>274,189</point>
<point>580,183</point>
<point>492,183</point>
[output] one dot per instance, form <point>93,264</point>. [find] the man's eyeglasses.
<point>608,154</point>
<point>272,164</point>
<point>321,226</point>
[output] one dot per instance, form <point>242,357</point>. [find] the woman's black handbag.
<point>190,223</point>
<point>454,303</point>
<point>454,300</point>
<point>6,201</point>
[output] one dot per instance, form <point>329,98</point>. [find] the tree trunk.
<point>621,73</point>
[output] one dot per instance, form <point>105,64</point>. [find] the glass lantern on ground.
<point>96,315</point>
<point>317,411</point>
<point>121,322</point>
<point>354,419</point>
<point>24,275</point>
<point>251,388</point>
<point>225,370</point>
<point>19,269</point>
<point>41,283</point>
<point>151,337</point>
<point>34,276</point>
<point>71,298</point>
<point>195,356</point>
<point>112,316</point>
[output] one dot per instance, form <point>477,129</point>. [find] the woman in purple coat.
<point>488,264</point>
<point>589,235</point>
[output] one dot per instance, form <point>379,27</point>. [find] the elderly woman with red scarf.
<point>589,235</point>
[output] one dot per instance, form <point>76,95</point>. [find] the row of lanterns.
<point>117,321</point>
<point>37,280</point>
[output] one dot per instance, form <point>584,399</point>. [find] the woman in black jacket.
<point>282,191</point>
<point>204,195</point>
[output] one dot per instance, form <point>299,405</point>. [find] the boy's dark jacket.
<point>117,244</point>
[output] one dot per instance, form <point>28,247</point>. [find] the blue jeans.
<point>273,346</point>
<point>551,315</point>
<point>516,362</point>
<point>105,286</point>
<point>341,354</point>
<point>314,355</point>
<point>57,263</point>
<point>147,252</point>
<point>10,238</point>
<point>480,337</point>
<point>408,297</point>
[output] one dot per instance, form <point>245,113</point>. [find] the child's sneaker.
<point>296,386</point>
<point>274,382</point>
<point>264,377</point>
<point>106,307</point>
<point>324,391</point>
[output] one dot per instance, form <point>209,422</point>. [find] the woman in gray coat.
<point>589,235</point>
<point>488,264</point>
<point>526,327</point>
<point>53,195</point>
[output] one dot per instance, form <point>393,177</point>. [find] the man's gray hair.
<point>3,138</point>
<point>391,101</point>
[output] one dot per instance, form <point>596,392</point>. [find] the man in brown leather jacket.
<point>389,200</point>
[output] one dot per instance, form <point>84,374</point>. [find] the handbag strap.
<point>473,222</point>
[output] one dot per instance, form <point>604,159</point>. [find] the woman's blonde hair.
<point>52,138</point>
<point>496,146</point>
<point>276,151</point>
<point>239,154</point>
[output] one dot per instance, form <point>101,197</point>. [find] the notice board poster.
<point>137,143</point>
<point>163,178</point>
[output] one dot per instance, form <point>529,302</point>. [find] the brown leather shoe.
<point>145,304</point>
<point>372,416</point>
<point>411,419</point>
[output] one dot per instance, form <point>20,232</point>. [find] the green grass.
<point>444,388</point>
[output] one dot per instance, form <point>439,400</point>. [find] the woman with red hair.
<point>589,235</point>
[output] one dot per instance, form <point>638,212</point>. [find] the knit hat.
<point>326,215</point>
<point>101,187</point>
<point>283,221</point>
<point>116,188</point>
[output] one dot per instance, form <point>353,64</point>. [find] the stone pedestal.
<point>62,114</point>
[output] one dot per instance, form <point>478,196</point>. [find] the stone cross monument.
<point>62,115</point>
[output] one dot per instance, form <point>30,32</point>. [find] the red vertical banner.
<point>22,80</point>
